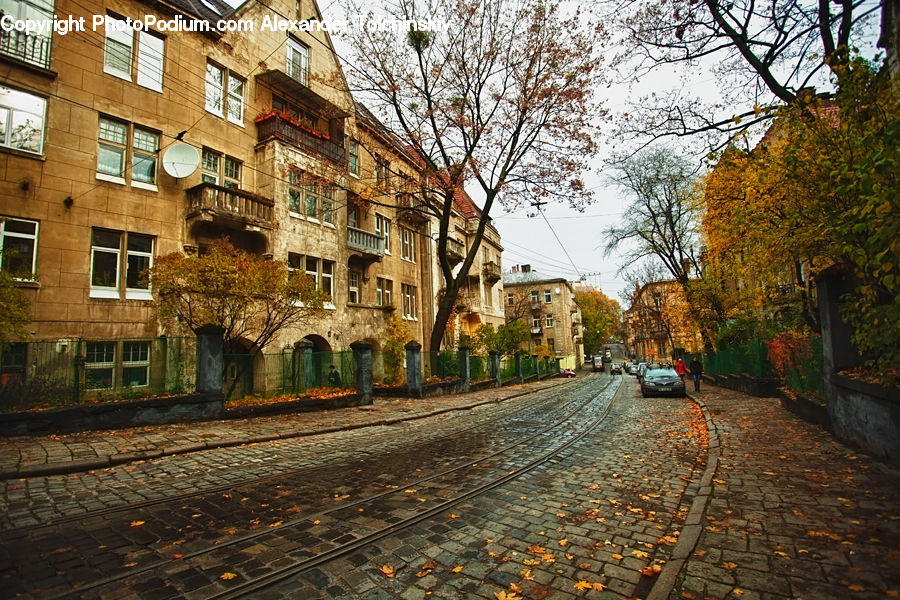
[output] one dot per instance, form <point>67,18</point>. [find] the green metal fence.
<point>508,368</point>
<point>43,374</point>
<point>808,379</point>
<point>528,366</point>
<point>479,368</point>
<point>292,371</point>
<point>442,365</point>
<point>749,358</point>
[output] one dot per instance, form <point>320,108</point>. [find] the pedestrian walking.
<point>680,368</point>
<point>334,378</point>
<point>696,370</point>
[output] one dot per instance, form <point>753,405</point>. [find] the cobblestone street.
<point>563,489</point>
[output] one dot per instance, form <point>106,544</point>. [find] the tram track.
<point>534,413</point>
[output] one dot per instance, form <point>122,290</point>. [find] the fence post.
<point>304,368</point>
<point>495,366</point>
<point>556,360</point>
<point>362,352</point>
<point>210,359</point>
<point>537,371</point>
<point>465,370</point>
<point>519,373</point>
<point>414,368</point>
<point>547,365</point>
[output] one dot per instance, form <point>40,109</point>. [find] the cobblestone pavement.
<point>27,456</point>
<point>652,505</point>
<point>792,512</point>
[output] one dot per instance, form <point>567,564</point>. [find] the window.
<point>551,345</point>
<point>295,193</point>
<point>353,286</point>
<point>21,120</point>
<point>534,297</point>
<point>215,88</point>
<point>138,260</point>
<point>32,47</point>
<point>113,146</point>
<point>297,61</point>
<point>548,296</point>
<point>328,204</point>
<point>409,301</point>
<point>536,323</point>
<point>235,99</point>
<point>488,296</point>
<point>113,153</point>
<point>18,242</point>
<point>136,364</point>
<point>510,300</point>
<point>383,228</point>
<point>352,217</point>
<point>312,269</point>
<point>384,291</point>
<point>327,278</point>
<point>381,171</point>
<point>216,168</point>
<point>353,157</point>
<point>548,321</point>
<point>143,164</point>
<point>99,365</point>
<point>120,50</point>
<point>407,245</point>
<point>106,264</point>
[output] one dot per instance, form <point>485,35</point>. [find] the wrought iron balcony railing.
<point>276,126</point>
<point>29,48</point>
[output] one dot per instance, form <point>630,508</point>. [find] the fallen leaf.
<point>515,588</point>
<point>131,564</point>
<point>583,586</point>
<point>227,575</point>
<point>729,565</point>
<point>855,588</point>
<point>388,571</point>
<point>526,574</point>
<point>504,595</point>
<point>640,554</point>
<point>618,556</point>
<point>137,523</point>
<point>178,556</point>
<point>652,570</point>
<point>457,569</point>
<point>563,543</point>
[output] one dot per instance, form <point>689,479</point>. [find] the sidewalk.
<point>41,455</point>
<point>791,513</point>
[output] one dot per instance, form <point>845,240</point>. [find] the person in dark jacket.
<point>334,378</point>
<point>696,370</point>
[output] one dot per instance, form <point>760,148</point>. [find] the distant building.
<point>658,324</point>
<point>548,305</point>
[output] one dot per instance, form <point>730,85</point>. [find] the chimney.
<point>515,269</point>
<point>526,268</point>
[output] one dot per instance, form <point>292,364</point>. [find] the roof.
<point>513,278</point>
<point>207,10</point>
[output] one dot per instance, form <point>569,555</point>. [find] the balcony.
<point>230,207</point>
<point>536,330</point>
<point>491,271</point>
<point>27,48</point>
<point>456,251</point>
<point>274,125</point>
<point>365,245</point>
<point>473,303</point>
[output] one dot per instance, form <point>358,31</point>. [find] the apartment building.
<point>97,129</point>
<point>548,305</point>
<point>658,324</point>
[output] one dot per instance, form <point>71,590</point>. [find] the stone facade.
<point>548,305</point>
<point>288,168</point>
<point>658,323</point>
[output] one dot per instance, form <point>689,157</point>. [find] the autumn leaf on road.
<point>504,595</point>
<point>457,569</point>
<point>227,575</point>
<point>526,574</point>
<point>651,570</point>
<point>536,549</point>
<point>388,571</point>
<point>640,554</point>
<point>586,586</point>
<point>137,523</point>
<point>729,565</point>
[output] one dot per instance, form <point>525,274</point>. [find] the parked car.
<point>642,367</point>
<point>661,381</point>
<point>598,363</point>
<point>615,369</point>
<point>568,373</point>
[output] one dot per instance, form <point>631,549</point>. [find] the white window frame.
<point>302,52</point>
<point>410,309</point>
<point>6,234</point>
<point>142,361</point>
<point>535,322</point>
<point>150,61</point>
<point>98,365</point>
<point>234,99</point>
<point>327,281</point>
<point>314,273</point>
<point>383,228</point>
<point>353,157</point>
<point>510,300</point>
<point>218,174</point>
<point>105,291</point>
<point>353,278</point>
<point>384,290</point>
<point>130,151</point>
<point>549,321</point>
<point>141,154</point>
<point>215,86</point>
<point>108,138</point>
<point>138,293</point>
<point>548,296</point>
<point>122,35</point>
<point>407,245</point>
<point>14,106</point>
<point>535,296</point>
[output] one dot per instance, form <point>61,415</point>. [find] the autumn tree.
<point>662,221</point>
<point>823,189</point>
<point>505,339</point>
<point>601,318</point>
<point>250,298</point>
<point>15,311</point>
<point>500,100</point>
<point>762,56</point>
<point>397,335</point>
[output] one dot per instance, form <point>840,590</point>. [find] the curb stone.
<point>693,527</point>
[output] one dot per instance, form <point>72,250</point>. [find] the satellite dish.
<point>180,160</point>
